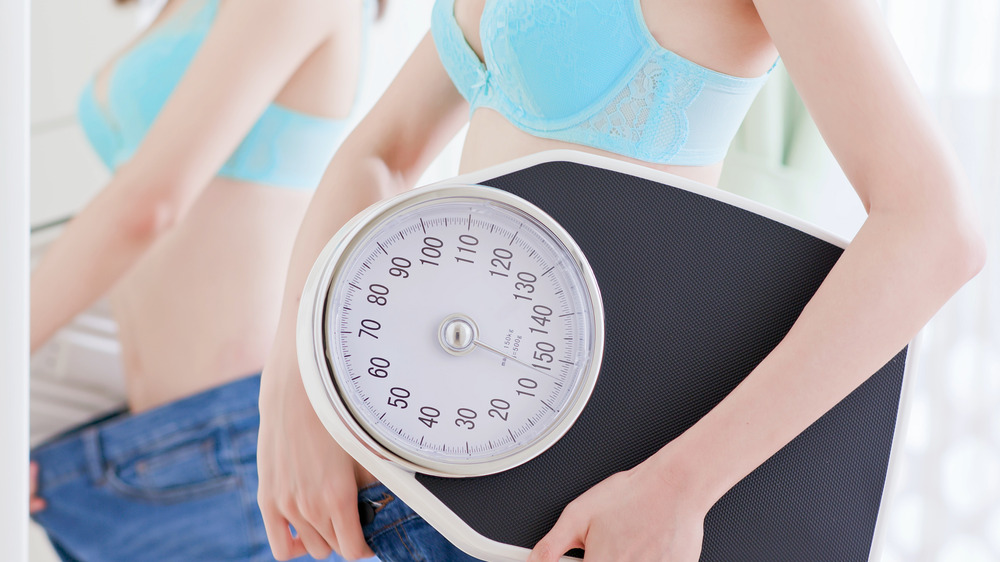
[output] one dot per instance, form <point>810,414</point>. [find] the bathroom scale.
<point>492,346</point>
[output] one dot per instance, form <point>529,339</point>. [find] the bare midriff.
<point>201,307</point>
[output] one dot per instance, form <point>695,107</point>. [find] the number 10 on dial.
<point>460,329</point>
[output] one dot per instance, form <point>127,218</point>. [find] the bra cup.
<point>558,63</point>
<point>142,82</point>
<point>589,72</point>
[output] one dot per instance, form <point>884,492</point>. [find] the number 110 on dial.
<point>464,329</point>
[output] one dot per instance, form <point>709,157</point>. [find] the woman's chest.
<point>723,35</point>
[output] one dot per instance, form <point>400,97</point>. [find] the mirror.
<point>79,374</point>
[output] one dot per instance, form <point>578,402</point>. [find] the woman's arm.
<point>918,246</point>
<point>253,48</point>
<point>305,478</point>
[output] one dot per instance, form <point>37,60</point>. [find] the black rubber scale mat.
<point>696,293</point>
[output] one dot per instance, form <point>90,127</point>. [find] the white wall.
<point>65,171</point>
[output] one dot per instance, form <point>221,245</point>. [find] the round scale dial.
<point>463,329</point>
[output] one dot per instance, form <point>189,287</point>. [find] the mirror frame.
<point>14,340</point>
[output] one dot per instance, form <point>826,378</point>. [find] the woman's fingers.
<point>315,544</point>
<point>283,545</point>
<point>35,504</point>
<point>569,532</point>
<point>315,515</point>
<point>305,478</point>
<point>347,523</point>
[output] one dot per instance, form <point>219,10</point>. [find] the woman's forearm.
<point>94,250</point>
<point>889,282</point>
<point>353,181</point>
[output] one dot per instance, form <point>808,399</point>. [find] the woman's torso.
<point>200,308</point>
<point>723,35</point>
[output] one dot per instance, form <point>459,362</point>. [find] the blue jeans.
<point>397,534</point>
<point>179,483</point>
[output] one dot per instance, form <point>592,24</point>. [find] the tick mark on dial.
<point>355,286</point>
<point>548,270</point>
<point>513,238</point>
<point>511,435</point>
<point>470,222</point>
<point>547,405</point>
<point>380,247</point>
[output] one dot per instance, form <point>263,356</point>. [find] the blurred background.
<point>943,501</point>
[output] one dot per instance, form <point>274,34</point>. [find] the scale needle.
<point>514,359</point>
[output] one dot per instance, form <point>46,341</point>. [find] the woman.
<point>216,122</point>
<point>693,62</point>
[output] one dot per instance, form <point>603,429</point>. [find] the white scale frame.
<point>400,477</point>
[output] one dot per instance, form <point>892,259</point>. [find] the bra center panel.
<point>560,62</point>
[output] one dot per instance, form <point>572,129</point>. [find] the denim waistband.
<point>89,448</point>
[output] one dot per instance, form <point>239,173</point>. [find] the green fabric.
<point>778,156</point>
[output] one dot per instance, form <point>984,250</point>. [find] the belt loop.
<point>93,455</point>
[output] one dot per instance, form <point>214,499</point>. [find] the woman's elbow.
<point>970,249</point>
<point>938,222</point>
<point>149,213</point>
<point>958,246</point>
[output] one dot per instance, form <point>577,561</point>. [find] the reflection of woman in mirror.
<point>217,123</point>
<point>665,84</point>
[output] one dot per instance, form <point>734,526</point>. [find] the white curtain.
<point>945,503</point>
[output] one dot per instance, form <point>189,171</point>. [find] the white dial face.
<point>461,330</point>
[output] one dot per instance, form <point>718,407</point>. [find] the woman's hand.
<point>35,503</point>
<point>646,513</point>
<point>306,479</point>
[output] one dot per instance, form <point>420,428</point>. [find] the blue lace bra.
<point>285,148</point>
<point>589,72</point>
